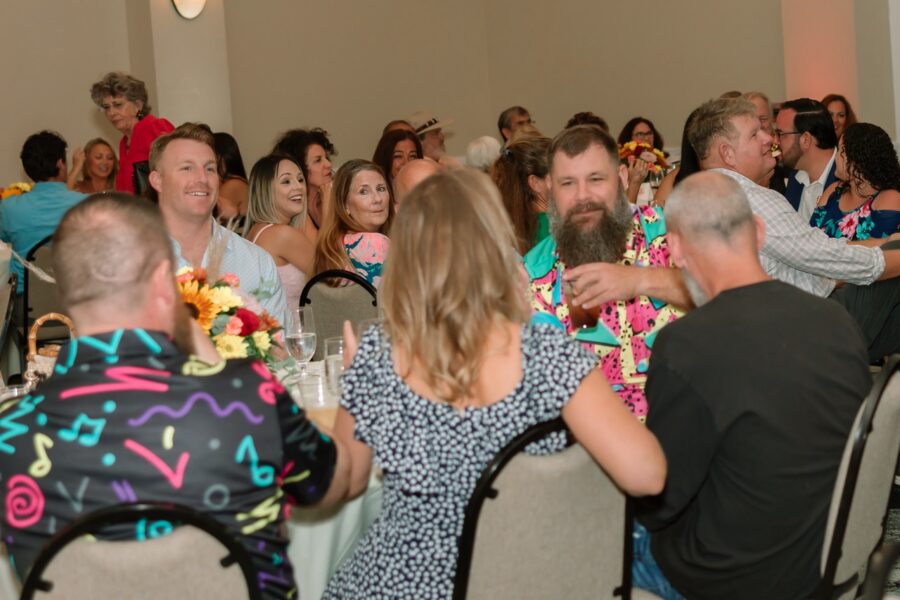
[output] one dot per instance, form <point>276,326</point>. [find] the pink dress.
<point>292,278</point>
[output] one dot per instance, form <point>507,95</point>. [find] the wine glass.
<point>300,337</point>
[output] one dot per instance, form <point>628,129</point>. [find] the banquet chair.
<point>549,526</point>
<point>879,572</point>
<point>334,305</point>
<point>859,503</point>
<point>200,559</point>
<point>42,297</point>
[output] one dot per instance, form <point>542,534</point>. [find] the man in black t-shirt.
<point>752,396</point>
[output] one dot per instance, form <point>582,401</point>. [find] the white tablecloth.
<point>322,538</point>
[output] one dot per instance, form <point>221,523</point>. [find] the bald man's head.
<point>411,175</point>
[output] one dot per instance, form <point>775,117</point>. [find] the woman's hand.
<point>637,171</point>
<point>350,344</point>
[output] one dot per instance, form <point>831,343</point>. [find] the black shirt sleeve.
<point>309,455</point>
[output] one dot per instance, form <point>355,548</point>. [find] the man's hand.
<point>595,284</point>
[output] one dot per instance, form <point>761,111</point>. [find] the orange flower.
<point>267,322</point>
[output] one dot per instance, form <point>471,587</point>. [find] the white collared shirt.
<point>812,191</point>
<point>797,253</point>
<point>254,267</point>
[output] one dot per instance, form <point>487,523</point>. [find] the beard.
<point>603,241</point>
<point>698,296</point>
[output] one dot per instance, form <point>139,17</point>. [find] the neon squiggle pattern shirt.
<point>128,418</point>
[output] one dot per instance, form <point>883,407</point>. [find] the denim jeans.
<point>645,573</point>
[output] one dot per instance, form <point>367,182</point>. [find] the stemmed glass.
<point>300,337</point>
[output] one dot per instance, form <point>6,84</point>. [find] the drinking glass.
<point>300,338</point>
<point>318,406</point>
<point>334,364</point>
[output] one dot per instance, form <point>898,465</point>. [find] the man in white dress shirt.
<point>805,132</point>
<point>726,136</point>
<point>184,174</point>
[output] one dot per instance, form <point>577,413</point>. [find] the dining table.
<point>321,538</point>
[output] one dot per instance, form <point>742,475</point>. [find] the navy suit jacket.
<point>794,189</point>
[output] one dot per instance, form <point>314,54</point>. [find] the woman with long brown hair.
<point>356,219</point>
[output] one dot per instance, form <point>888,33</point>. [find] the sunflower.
<point>198,301</point>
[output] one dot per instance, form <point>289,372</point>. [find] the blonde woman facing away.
<point>452,376</point>
<point>276,213</point>
<point>355,221</point>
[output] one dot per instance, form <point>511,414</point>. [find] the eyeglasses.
<point>778,133</point>
<point>642,134</point>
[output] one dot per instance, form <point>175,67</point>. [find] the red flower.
<point>249,321</point>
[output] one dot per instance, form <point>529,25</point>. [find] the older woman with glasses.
<point>124,101</point>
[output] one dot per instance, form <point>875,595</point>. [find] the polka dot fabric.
<point>432,455</point>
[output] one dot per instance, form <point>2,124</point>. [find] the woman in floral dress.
<point>865,201</point>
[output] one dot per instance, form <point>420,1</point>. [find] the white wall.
<point>351,67</point>
<point>820,52</point>
<point>52,52</point>
<point>655,58</point>
<point>191,64</point>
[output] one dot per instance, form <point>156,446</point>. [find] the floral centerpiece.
<point>222,312</point>
<point>14,189</point>
<point>655,159</point>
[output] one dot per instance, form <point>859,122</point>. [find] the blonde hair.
<point>337,221</point>
<point>111,178</point>
<point>261,204</point>
<point>451,271</point>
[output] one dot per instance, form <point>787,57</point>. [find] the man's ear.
<point>676,249</point>
<point>806,141</point>
<point>760,232</point>
<point>623,176</point>
<point>156,181</point>
<point>726,153</point>
<point>162,286</point>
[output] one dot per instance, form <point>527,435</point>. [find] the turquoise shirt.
<point>28,218</point>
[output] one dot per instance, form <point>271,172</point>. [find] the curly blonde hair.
<point>452,270</point>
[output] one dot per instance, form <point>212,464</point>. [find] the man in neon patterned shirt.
<point>605,258</point>
<point>129,417</point>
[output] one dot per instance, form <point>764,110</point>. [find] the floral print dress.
<point>861,223</point>
<point>367,252</point>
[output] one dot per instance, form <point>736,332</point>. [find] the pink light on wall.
<point>819,49</point>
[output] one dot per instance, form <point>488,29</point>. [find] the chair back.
<point>334,305</point>
<point>42,297</point>
<point>539,527</point>
<point>878,574</point>
<point>862,490</point>
<point>200,559</point>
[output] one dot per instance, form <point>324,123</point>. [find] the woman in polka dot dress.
<point>451,377</point>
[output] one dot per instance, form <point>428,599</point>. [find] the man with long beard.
<point>604,275</point>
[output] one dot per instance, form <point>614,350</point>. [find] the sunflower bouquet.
<point>655,159</point>
<point>222,312</point>
<point>14,189</point>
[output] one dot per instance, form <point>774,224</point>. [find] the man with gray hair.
<point>727,137</point>
<point>753,431</point>
<point>130,416</point>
